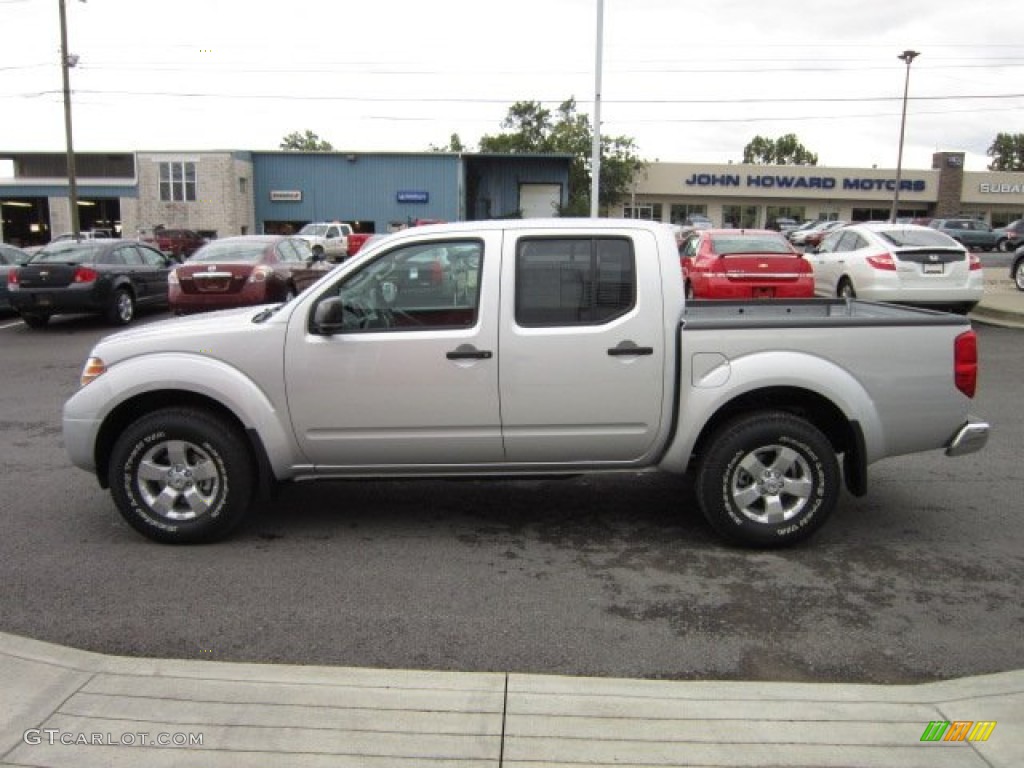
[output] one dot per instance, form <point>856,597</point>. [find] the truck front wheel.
<point>181,475</point>
<point>768,479</point>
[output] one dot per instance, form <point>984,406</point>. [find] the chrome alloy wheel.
<point>178,480</point>
<point>772,484</point>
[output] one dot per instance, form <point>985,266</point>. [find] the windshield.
<point>225,251</point>
<point>67,253</point>
<point>922,238</point>
<point>315,230</point>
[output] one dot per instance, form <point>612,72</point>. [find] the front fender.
<point>159,380</point>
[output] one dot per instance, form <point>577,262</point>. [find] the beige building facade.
<point>757,195</point>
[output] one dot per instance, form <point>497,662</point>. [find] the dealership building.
<point>756,195</point>
<point>222,193</point>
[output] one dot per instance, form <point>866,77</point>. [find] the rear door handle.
<point>469,352</point>
<point>628,348</point>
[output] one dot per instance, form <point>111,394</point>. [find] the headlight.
<point>94,368</point>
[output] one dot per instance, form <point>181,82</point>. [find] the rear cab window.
<point>564,281</point>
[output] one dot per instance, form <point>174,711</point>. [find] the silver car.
<point>900,263</point>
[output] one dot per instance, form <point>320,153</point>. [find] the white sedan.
<point>900,263</point>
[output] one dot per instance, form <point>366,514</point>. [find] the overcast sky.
<point>688,81</point>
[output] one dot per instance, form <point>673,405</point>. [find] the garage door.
<point>539,201</point>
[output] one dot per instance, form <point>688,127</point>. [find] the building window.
<point>178,181</point>
<point>680,211</point>
<point>648,212</point>
<point>243,185</point>
<point>739,216</point>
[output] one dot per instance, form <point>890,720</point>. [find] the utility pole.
<point>67,61</point>
<point>595,152</point>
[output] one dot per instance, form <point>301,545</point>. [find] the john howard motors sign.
<point>777,181</point>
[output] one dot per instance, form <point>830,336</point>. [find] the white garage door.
<point>539,201</point>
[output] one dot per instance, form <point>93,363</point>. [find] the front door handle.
<point>628,348</point>
<point>469,352</point>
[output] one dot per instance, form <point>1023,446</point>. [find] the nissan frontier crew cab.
<point>521,348</point>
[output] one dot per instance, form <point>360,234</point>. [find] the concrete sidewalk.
<point>74,709</point>
<point>1002,304</point>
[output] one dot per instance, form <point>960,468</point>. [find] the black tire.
<point>122,307</point>
<point>318,251</point>
<point>845,290</point>
<point>768,479</point>
<point>1018,275</point>
<point>181,475</point>
<point>34,320</point>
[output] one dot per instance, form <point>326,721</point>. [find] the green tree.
<point>785,150</point>
<point>455,144</point>
<point>305,142</point>
<point>1007,152</point>
<point>530,127</point>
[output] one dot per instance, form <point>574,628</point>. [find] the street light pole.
<point>595,151</point>
<point>66,63</point>
<point>907,56</point>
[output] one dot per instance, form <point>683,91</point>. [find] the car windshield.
<point>738,245</point>
<point>316,230</point>
<point>68,253</point>
<point>225,250</point>
<point>917,238</point>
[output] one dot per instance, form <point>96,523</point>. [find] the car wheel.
<point>1018,274</point>
<point>318,251</point>
<point>122,307</point>
<point>33,320</point>
<point>1003,245</point>
<point>289,293</point>
<point>181,475</point>
<point>845,290</point>
<point>768,479</point>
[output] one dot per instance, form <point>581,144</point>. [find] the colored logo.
<point>958,730</point>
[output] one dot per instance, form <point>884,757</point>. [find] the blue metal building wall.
<point>493,182</point>
<point>355,186</point>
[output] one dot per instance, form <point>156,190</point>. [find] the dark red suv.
<point>177,243</point>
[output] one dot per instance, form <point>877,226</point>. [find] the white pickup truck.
<point>327,239</point>
<point>497,349</point>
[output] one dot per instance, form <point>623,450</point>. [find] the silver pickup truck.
<point>496,349</point>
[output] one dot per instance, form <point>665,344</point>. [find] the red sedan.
<point>242,271</point>
<point>744,264</point>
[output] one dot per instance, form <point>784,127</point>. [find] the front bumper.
<point>971,437</point>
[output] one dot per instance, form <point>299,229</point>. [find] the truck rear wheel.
<point>768,479</point>
<point>181,475</point>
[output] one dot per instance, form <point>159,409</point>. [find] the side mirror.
<point>328,317</point>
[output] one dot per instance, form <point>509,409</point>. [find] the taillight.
<point>12,280</point>
<point>973,261</point>
<point>85,275</point>
<point>883,261</point>
<point>965,362</point>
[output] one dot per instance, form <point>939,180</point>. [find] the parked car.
<point>791,233</point>
<point>698,221</point>
<point>179,244</point>
<point>814,237</point>
<point>783,224</point>
<point>10,257</point>
<point>744,264</point>
<point>901,263</point>
<point>799,235</point>
<point>1013,234</point>
<point>108,277</point>
<point>973,233</point>
<point>241,271</point>
<point>327,239</point>
<point>1017,268</point>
